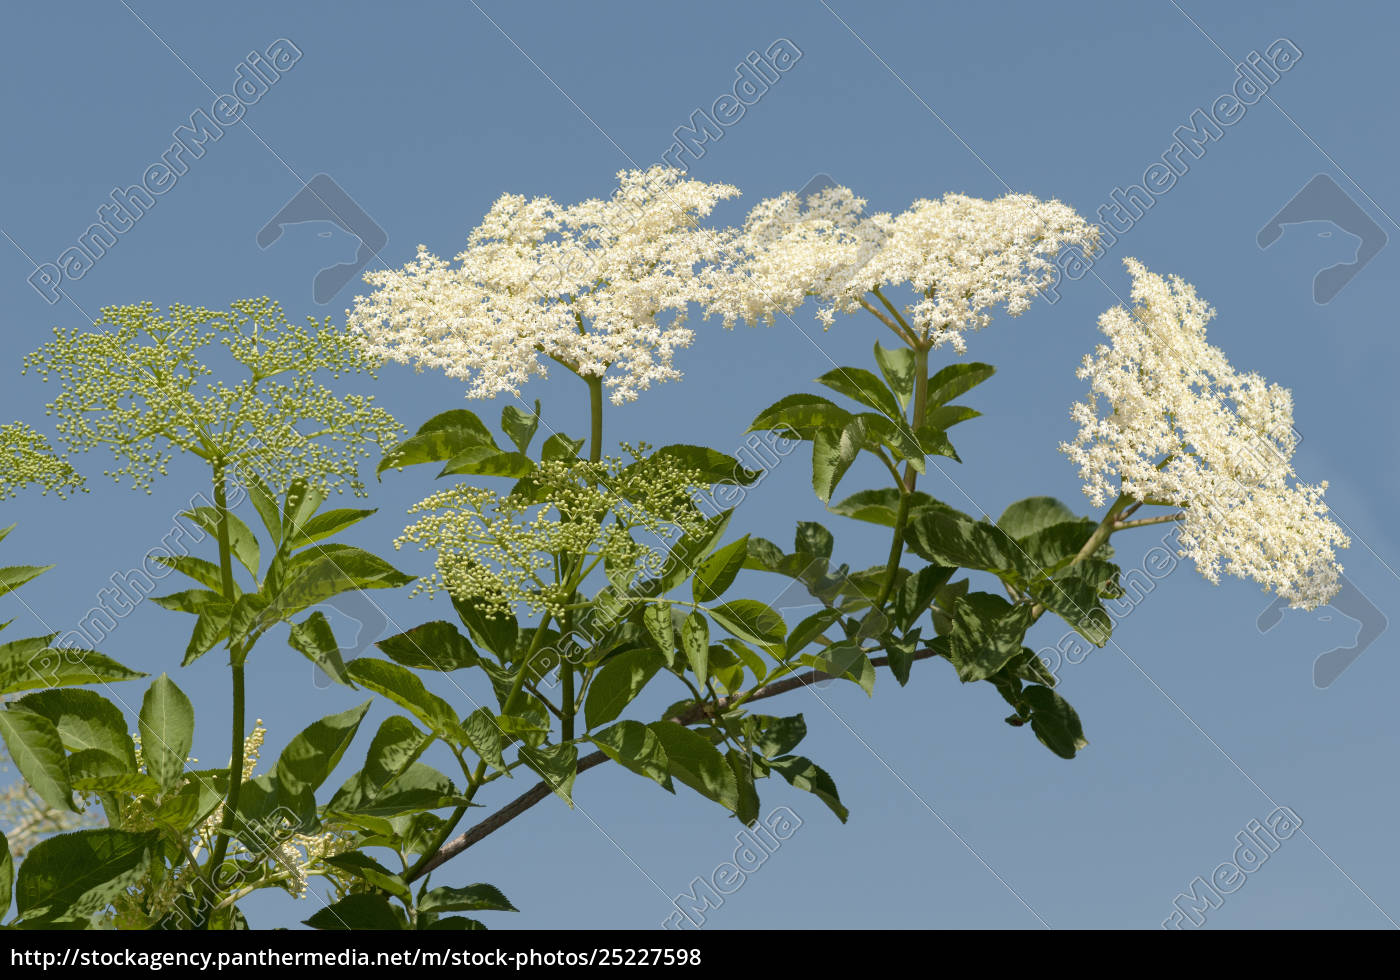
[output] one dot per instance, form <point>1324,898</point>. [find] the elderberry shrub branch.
<point>588,584</point>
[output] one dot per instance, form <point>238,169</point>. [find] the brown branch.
<point>541,791</point>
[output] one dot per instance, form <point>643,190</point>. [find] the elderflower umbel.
<point>1179,426</point>
<point>962,255</point>
<point>601,287</point>
<point>26,457</point>
<point>499,549</point>
<point>145,388</point>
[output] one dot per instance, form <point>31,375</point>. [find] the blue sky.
<point>424,113</point>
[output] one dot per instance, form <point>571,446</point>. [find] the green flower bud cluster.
<point>144,386</point>
<point>503,549</point>
<point>26,457</point>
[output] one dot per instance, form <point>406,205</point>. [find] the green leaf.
<point>84,720</point>
<point>167,731</point>
<point>882,506</point>
<point>209,630</point>
<point>833,452</point>
<point>657,620</point>
<point>407,691</point>
<point>206,573</point>
<point>76,875</point>
<point>432,646</point>
<point>495,633</point>
<point>1074,597</point>
<point>366,868</point>
<point>265,504</point>
<point>314,639</point>
<point>802,415</point>
<point>681,559</point>
<point>864,387</point>
<point>37,750</point>
<point>485,737</point>
<point>472,898</point>
<point>31,663</point>
<point>193,601</point>
<point>557,766</point>
<point>339,568</point>
<point>697,763</point>
<point>805,774</point>
<point>451,922</point>
<point>7,876</point>
<point>717,572</point>
<point>810,628</point>
<point>309,757</point>
<point>16,575</point>
<point>299,504</point>
<point>953,541</point>
<point>914,595</point>
<point>362,911</point>
<point>751,620</point>
<point>395,747</point>
<point>179,812</point>
<point>1054,722</point>
<point>520,426</point>
<point>695,640</point>
<point>135,783</point>
<point>898,368</point>
<point>438,439</point>
<point>1025,517</point>
<point>945,416</point>
<point>635,746</point>
<point>323,526</point>
<point>986,632</point>
<point>242,541</point>
<point>712,465</point>
<point>741,764</point>
<point>954,380</point>
<point>813,539</point>
<point>489,463</point>
<point>617,683</point>
<point>846,659</point>
<point>560,446</point>
<point>772,737</point>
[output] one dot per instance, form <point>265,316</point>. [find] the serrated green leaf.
<point>750,620</point>
<point>656,618</point>
<point>617,683</point>
<point>898,367</point>
<point>314,639</point>
<point>986,631</point>
<point>354,912</point>
<point>37,751</point>
<point>863,386</point>
<point>13,577</point>
<point>31,663</point>
<point>432,646</point>
<point>309,757</point>
<point>833,452</point>
<point>805,774</point>
<point>323,526</point>
<point>954,380</point>
<point>84,720</point>
<point>75,875</point>
<point>242,542</point>
<point>407,691</point>
<point>472,898</point>
<point>557,766</point>
<point>167,731</point>
<point>695,641</point>
<point>635,746</point>
<point>802,415</point>
<point>520,426</point>
<point>716,573</point>
<point>695,762</point>
<point>1054,722</point>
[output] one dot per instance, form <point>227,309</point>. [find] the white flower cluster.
<point>1183,428</point>
<point>962,255</point>
<point>601,287</point>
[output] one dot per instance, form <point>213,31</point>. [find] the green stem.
<point>475,781</point>
<point>1102,533</point>
<point>595,414</point>
<point>911,477</point>
<point>238,733</point>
